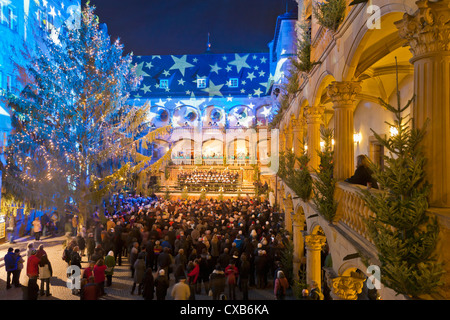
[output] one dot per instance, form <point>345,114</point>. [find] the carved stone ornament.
<point>315,241</point>
<point>347,288</point>
<point>314,113</point>
<point>343,93</point>
<point>428,29</point>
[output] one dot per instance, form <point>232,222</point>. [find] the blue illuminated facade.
<point>214,91</point>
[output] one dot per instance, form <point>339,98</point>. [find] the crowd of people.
<point>211,180</point>
<point>211,247</point>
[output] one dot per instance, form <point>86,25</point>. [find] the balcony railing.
<point>218,161</point>
<point>352,210</point>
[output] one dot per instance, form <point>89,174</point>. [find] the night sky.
<point>177,27</point>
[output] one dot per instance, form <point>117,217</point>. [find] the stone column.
<point>313,116</point>
<point>314,244</point>
<point>343,95</point>
<point>289,138</point>
<point>297,130</point>
<point>427,32</point>
<point>298,221</point>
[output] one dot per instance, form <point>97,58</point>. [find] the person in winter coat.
<point>261,269</point>
<point>81,243</point>
<point>244,275</point>
<point>110,263</point>
<point>40,251</point>
<point>75,258</point>
<point>193,274</point>
<point>20,263</point>
<point>139,273</point>
<point>37,228</point>
<point>161,285</point>
<point>90,291</point>
<point>134,252</point>
<point>217,281</point>
<point>33,273</point>
<point>75,261</point>
<point>11,260</point>
<point>99,275</point>
<point>232,273</point>
<point>165,260</point>
<point>181,290</point>
<point>280,286</point>
<point>148,285</point>
<point>45,273</point>
<point>90,246</point>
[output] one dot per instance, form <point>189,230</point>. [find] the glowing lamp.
<point>357,137</point>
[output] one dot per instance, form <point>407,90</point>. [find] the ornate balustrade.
<point>352,210</point>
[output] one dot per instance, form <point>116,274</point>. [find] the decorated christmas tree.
<point>404,234</point>
<point>75,137</point>
<point>324,185</point>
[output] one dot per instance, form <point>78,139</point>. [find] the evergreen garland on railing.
<point>298,180</point>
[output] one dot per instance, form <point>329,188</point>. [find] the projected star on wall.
<point>251,75</point>
<point>146,89</point>
<point>161,103</point>
<point>214,90</point>
<point>215,68</point>
<point>266,112</point>
<point>258,92</point>
<point>140,72</point>
<point>240,62</point>
<point>181,64</point>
